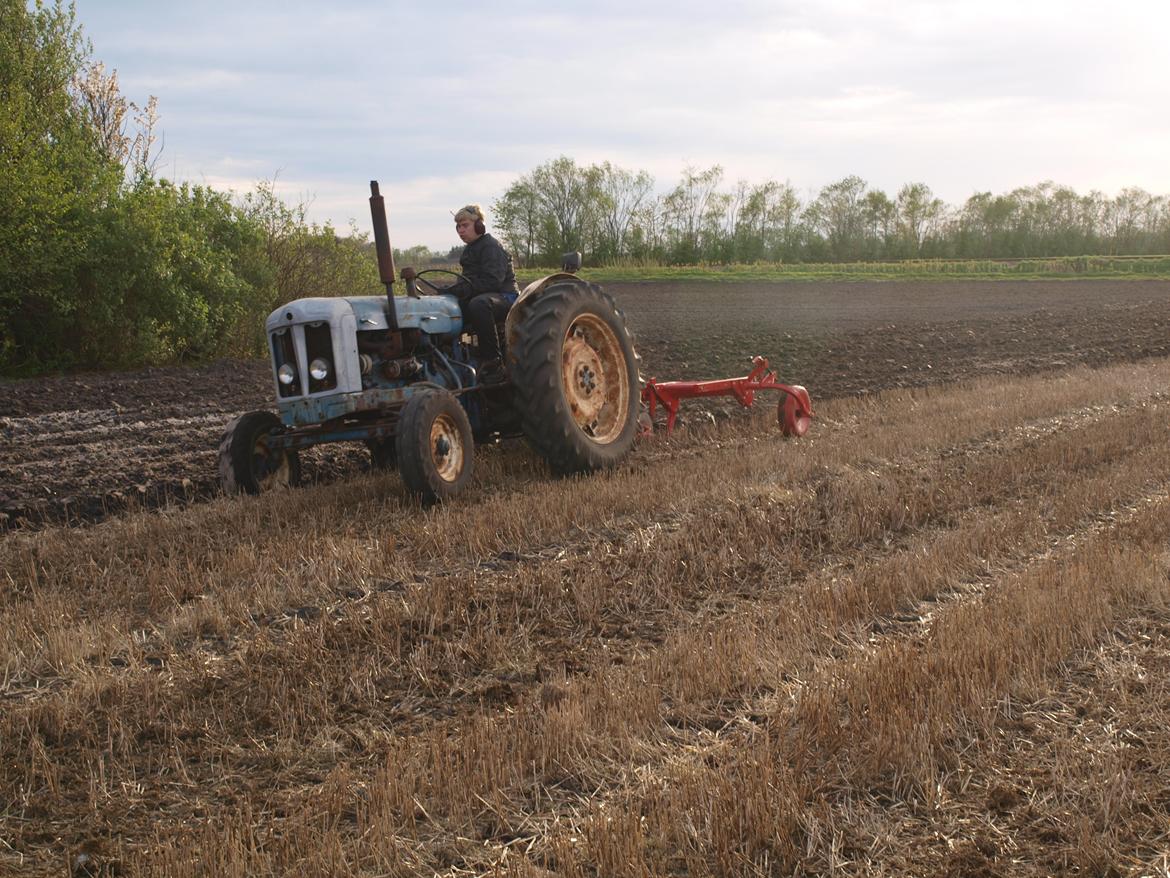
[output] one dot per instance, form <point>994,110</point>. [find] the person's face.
<point>465,228</point>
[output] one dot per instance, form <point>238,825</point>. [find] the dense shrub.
<point>177,272</point>
<point>101,264</point>
<point>54,182</point>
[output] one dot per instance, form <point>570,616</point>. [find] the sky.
<point>447,104</point>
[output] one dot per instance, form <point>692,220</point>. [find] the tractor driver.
<point>487,289</point>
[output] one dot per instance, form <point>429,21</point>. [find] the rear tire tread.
<point>534,366</point>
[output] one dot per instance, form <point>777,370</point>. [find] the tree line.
<point>103,263</point>
<point>616,215</point>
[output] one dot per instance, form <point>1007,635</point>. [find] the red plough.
<point>794,412</point>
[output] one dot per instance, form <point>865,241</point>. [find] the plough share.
<point>793,413</point>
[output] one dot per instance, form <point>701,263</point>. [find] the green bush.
<point>55,183</point>
<point>178,274</point>
<point>103,266</point>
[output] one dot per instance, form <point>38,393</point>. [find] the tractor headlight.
<point>286,373</point>
<point>319,369</point>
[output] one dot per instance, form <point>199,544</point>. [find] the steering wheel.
<point>435,290</point>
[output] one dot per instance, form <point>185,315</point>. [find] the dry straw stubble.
<point>579,675</point>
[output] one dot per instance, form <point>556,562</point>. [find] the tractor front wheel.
<point>434,446</point>
<point>248,464</point>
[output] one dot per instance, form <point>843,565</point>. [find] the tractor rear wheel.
<point>434,446</point>
<point>575,376</point>
<point>247,464</point>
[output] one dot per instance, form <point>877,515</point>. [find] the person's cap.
<point>471,212</point>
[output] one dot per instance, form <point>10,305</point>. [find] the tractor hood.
<point>434,315</point>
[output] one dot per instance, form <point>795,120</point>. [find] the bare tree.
<point>880,217</point>
<point>919,213</point>
<point>686,209</point>
<point>143,158</point>
<point>1131,213</point>
<point>567,195</point>
<point>621,194</point>
<point>106,111</point>
<point>837,215</point>
<point>519,216</point>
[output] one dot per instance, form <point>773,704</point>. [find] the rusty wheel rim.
<point>595,379</point>
<point>446,448</point>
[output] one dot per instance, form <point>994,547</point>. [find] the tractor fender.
<point>529,295</point>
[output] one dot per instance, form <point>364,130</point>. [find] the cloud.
<point>419,210</point>
<point>451,103</point>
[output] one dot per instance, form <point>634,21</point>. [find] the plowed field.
<point>75,448</point>
<point>932,637</point>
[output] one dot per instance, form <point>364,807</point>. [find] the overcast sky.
<point>450,103</point>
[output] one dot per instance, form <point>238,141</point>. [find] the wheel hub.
<point>446,448</point>
<point>594,378</point>
<point>587,379</point>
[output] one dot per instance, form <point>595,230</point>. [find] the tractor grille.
<point>316,340</point>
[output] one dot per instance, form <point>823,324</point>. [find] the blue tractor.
<point>401,374</point>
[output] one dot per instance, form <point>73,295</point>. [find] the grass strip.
<point>1050,268</point>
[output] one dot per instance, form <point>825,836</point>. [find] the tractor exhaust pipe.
<point>382,248</point>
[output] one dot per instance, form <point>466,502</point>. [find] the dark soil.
<point>79,447</point>
<point>843,339</point>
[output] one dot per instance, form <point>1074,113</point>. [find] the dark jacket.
<point>487,268</point>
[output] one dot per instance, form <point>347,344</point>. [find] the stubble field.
<point>929,638</point>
